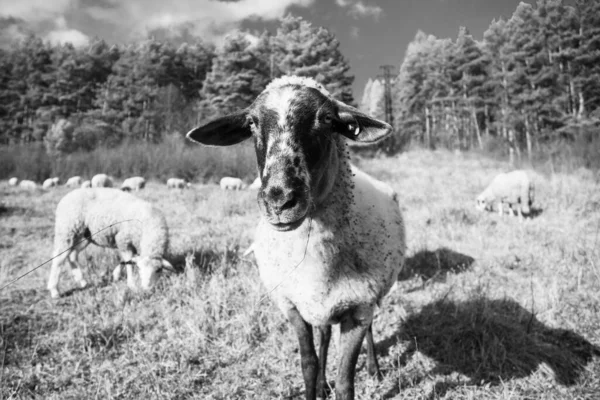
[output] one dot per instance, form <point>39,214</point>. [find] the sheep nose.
<point>280,200</point>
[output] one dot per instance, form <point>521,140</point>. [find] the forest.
<point>529,89</point>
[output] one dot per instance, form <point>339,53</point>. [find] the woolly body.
<point>50,183</point>
<point>109,218</point>
<point>101,180</point>
<point>134,183</point>
<point>512,188</point>
<point>13,181</point>
<point>28,185</point>
<point>86,184</point>
<point>74,182</point>
<point>229,183</point>
<point>177,183</point>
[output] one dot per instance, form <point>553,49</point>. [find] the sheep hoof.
<point>54,294</point>
<point>83,283</point>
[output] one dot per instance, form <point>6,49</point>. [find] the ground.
<point>486,308</point>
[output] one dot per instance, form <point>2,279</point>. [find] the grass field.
<point>487,308</point>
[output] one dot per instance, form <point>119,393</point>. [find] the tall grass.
<point>173,157</point>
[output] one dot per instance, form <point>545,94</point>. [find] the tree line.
<point>99,95</point>
<point>532,82</point>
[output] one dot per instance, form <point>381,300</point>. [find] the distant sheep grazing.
<point>229,183</point>
<point>101,180</point>
<point>331,240</point>
<point>13,181</point>
<point>178,183</point>
<point>28,185</point>
<point>134,183</point>
<point>50,183</point>
<point>109,218</point>
<point>255,184</point>
<point>514,189</point>
<point>86,184</point>
<point>74,182</point>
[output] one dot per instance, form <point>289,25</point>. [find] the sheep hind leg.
<point>352,333</point>
<point>74,263</point>
<point>324,339</point>
<point>372,364</point>
<point>308,356</point>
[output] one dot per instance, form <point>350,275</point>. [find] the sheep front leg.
<point>54,276</point>
<point>352,333</point>
<point>324,339</point>
<point>308,356</point>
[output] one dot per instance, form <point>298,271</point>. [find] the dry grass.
<point>487,308</point>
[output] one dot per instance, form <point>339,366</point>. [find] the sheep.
<point>514,189</point>
<point>13,181</point>
<point>255,184</point>
<point>74,182</point>
<point>331,240</point>
<point>101,180</point>
<point>134,183</point>
<point>229,183</point>
<point>109,218</point>
<point>50,183</point>
<point>177,183</point>
<point>28,185</point>
<point>86,184</point>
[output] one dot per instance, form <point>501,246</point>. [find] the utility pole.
<point>387,76</point>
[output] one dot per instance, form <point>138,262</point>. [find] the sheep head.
<point>293,122</point>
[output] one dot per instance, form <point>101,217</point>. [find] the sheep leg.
<point>324,338</point>
<point>57,261</point>
<point>130,278</point>
<point>352,333</point>
<point>126,257</point>
<point>75,267</point>
<point>372,365</point>
<point>308,356</point>
<point>500,210</point>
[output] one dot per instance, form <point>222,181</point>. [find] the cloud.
<point>354,31</point>
<point>358,9</point>
<point>135,19</point>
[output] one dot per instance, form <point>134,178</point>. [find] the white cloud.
<point>358,9</point>
<point>63,36</point>
<point>35,10</point>
<point>354,31</point>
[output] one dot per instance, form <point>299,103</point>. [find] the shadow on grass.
<point>428,264</point>
<point>490,341</point>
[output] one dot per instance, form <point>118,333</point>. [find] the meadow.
<point>486,307</point>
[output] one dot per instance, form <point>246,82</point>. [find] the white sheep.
<point>177,183</point>
<point>13,181</point>
<point>229,183</point>
<point>514,189</point>
<point>102,180</point>
<point>134,183</point>
<point>255,184</point>
<point>28,185</point>
<point>74,182</point>
<point>50,183</point>
<point>86,184</point>
<point>109,218</point>
<point>331,240</point>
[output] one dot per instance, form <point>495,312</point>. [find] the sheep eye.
<point>327,119</point>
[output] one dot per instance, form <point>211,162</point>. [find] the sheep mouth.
<point>288,226</point>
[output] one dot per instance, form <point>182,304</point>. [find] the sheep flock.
<point>329,245</point>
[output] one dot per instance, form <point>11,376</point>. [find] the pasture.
<point>486,308</point>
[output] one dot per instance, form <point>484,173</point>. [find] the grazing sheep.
<point>28,185</point>
<point>229,183</point>
<point>331,240</point>
<point>514,189</point>
<point>86,184</point>
<point>178,183</point>
<point>256,184</point>
<point>134,183</point>
<point>109,218</point>
<point>13,181</point>
<point>74,182</point>
<point>50,183</point>
<point>101,180</point>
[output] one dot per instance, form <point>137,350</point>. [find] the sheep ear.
<point>360,127</point>
<point>224,131</point>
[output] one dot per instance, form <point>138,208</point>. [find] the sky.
<point>371,32</point>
